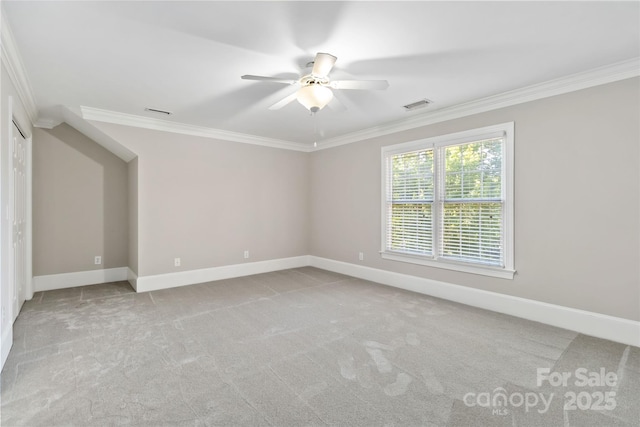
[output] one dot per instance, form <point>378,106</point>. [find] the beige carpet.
<point>302,347</point>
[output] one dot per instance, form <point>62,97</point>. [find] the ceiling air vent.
<point>416,105</point>
<point>155,110</point>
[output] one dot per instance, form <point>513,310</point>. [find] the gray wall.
<point>206,201</point>
<point>79,203</point>
<point>577,210</point>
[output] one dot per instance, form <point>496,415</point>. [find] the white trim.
<point>501,273</point>
<point>10,305</point>
<point>46,123</point>
<point>586,79</point>
<point>15,68</point>
<point>89,113</point>
<point>5,345</point>
<point>73,117</point>
<point>595,324</point>
<point>29,219</point>
<point>191,277</point>
<point>132,278</point>
<point>80,278</point>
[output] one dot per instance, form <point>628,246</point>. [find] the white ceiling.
<point>187,57</point>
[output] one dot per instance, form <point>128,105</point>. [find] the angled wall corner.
<point>79,204</point>
<point>132,196</point>
<point>207,201</point>
<point>74,118</point>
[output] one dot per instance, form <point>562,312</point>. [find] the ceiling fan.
<point>315,88</point>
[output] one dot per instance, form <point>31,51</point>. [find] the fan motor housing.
<point>313,80</point>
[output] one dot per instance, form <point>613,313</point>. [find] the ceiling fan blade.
<point>359,84</point>
<point>336,105</point>
<point>269,79</point>
<point>278,105</point>
<point>323,64</point>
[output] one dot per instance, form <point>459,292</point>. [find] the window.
<point>448,201</point>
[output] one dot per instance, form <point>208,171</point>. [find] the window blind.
<point>410,197</point>
<point>471,195</point>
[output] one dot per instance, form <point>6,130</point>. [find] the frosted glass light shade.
<point>314,97</point>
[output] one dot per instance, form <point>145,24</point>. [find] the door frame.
<point>22,127</point>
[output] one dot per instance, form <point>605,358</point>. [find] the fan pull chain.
<point>315,129</point>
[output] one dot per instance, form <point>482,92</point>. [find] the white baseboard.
<point>184,278</point>
<point>80,278</point>
<point>132,277</point>
<point>5,345</point>
<point>585,322</point>
<point>595,324</point>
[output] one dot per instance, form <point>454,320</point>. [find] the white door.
<point>19,160</point>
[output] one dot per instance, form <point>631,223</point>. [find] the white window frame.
<point>503,130</point>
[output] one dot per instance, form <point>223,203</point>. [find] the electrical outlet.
<point>176,262</point>
<point>97,260</point>
<point>361,256</point>
<point>246,254</point>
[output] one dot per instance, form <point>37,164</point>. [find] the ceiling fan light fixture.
<point>314,97</point>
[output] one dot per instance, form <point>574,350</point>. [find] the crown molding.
<point>583,80</point>
<point>89,113</point>
<point>12,62</point>
<point>73,117</point>
<point>46,123</point>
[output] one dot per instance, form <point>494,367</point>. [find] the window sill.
<point>501,273</point>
